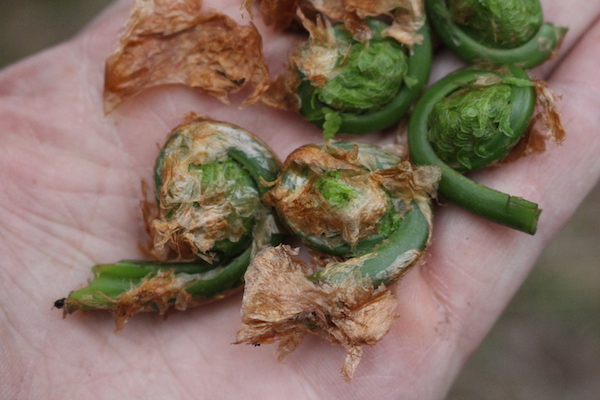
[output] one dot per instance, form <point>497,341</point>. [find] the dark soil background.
<point>546,345</point>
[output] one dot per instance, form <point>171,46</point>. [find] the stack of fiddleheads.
<point>497,31</point>
<point>209,177</point>
<point>370,85</point>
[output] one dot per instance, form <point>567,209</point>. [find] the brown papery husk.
<point>282,305</point>
<point>316,58</point>
<point>281,93</point>
<point>174,42</point>
<point>277,13</point>
<point>544,125</point>
<point>309,213</point>
<point>407,16</point>
<point>156,291</point>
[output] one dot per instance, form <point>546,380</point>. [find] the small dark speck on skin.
<point>255,344</point>
<point>238,82</point>
<point>60,303</point>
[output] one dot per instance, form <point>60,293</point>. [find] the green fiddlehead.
<point>210,221</point>
<point>369,86</point>
<point>349,199</point>
<point>208,181</point>
<point>462,123</point>
<point>506,32</point>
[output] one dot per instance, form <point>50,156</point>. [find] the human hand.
<point>71,191</point>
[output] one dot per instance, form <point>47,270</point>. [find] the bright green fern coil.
<point>496,31</point>
<point>507,23</point>
<point>471,129</point>
<point>373,84</point>
<point>370,77</point>
<point>460,133</point>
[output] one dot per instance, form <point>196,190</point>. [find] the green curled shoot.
<point>476,117</point>
<point>347,86</point>
<point>371,213</point>
<point>503,32</point>
<point>207,224</point>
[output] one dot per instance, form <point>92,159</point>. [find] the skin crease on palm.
<point>70,199</point>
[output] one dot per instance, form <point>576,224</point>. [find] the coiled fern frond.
<point>209,223</point>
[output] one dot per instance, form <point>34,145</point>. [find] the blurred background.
<point>546,345</point>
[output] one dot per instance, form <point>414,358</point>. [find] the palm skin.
<point>71,188</point>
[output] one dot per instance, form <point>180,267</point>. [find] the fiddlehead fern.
<point>209,177</point>
<point>208,181</point>
<point>345,199</point>
<point>470,119</point>
<point>506,32</point>
<point>341,198</point>
<point>360,87</point>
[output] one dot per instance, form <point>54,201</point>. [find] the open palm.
<point>70,199</point>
